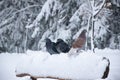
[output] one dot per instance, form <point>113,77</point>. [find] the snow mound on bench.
<point>83,66</point>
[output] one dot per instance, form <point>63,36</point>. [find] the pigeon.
<point>61,46</point>
<point>80,41</point>
<point>50,47</point>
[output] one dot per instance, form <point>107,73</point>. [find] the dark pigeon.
<point>50,47</point>
<point>61,46</point>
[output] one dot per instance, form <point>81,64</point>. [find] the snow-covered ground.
<point>8,62</point>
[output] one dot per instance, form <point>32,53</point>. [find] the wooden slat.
<point>36,77</point>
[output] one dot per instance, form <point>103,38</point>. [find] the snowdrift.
<point>61,66</point>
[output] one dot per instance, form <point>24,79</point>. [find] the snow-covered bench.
<point>62,67</point>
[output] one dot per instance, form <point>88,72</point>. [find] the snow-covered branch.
<point>23,9</point>
<point>98,8</point>
<point>9,20</point>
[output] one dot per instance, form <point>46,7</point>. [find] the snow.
<point>7,66</point>
<point>39,63</point>
<point>62,66</point>
<point>63,34</point>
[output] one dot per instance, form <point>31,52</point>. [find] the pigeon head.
<point>83,33</point>
<point>59,40</point>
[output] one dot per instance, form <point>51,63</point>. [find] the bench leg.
<point>105,75</point>
<point>33,78</point>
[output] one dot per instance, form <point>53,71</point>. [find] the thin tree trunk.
<point>26,42</point>
<point>88,26</point>
<point>92,34</point>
